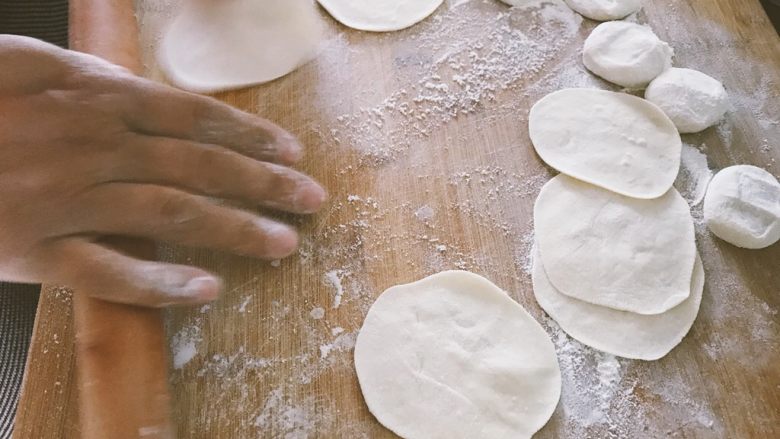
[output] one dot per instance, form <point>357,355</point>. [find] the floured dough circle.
<point>615,251</point>
<point>219,45</point>
<point>742,206</point>
<point>380,15</point>
<point>453,356</point>
<point>614,140</point>
<point>621,333</point>
<point>626,54</point>
<point>603,10</point>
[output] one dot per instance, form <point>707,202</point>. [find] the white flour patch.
<point>424,213</point>
<point>295,420</point>
<point>184,345</point>
<point>694,174</point>
<point>317,313</point>
<point>333,277</point>
<point>342,342</point>
<point>242,306</point>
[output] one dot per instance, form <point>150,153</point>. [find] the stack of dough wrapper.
<point>615,262</point>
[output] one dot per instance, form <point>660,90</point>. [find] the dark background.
<point>773,10</point>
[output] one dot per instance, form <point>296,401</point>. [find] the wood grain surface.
<point>421,138</point>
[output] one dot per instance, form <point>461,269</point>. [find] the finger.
<point>166,214</point>
<point>218,172</point>
<point>109,275</point>
<point>159,110</point>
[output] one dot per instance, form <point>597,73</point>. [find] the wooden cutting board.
<point>421,138</point>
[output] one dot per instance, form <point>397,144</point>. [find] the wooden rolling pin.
<point>121,351</point>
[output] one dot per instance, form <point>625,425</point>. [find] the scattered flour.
<point>694,174</point>
<point>297,421</point>
<point>342,342</point>
<point>424,213</point>
<point>184,345</point>
<point>317,313</point>
<point>242,307</point>
<point>333,277</point>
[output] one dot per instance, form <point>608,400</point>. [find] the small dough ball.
<point>694,101</point>
<point>627,54</point>
<point>742,206</point>
<point>605,10</point>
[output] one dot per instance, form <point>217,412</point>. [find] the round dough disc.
<point>626,54</point>
<point>620,333</point>
<point>219,45</point>
<point>614,251</point>
<point>693,100</point>
<point>603,10</point>
<point>614,140</point>
<point>380,15</point>
<point>742,206</point>
<point>451,356</point>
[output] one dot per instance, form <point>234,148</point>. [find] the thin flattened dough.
<point>615,251</point>
<point>620,333</point>
<point>614,140</point>
<point>380,15</point>
<point>603,10</point>
<point>219,45</point>
<point>452,356</point>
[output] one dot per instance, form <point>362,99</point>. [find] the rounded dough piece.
<point>451,356</point>
<point>626,54</point>
<point>604,10</point>
<point>694,101</point>
<point>219,45</point>
<point>742,206</point>
<point>380,15</point>
<point>613,140</point>
<point>615,251</point>
<point>620,333</point>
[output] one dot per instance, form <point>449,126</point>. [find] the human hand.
<point>88,150</point>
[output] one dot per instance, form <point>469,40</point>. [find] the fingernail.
<point>203,288</point>
<point>282,240</point>
<point>309,197</point>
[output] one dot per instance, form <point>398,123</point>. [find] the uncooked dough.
<point>219,45</point>
<point>603,10</point>
<point>614,140</point>
<point>627,54</point>
<point>452,356</point>
<point>620,333</point>
<point>694,101</point>
<point>615,251</point>
<point>380,15</point>
<point>742,206</point>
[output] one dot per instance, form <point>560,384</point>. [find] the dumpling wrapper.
<point>615,251</point>
<point>621,333</point>
<point>452,355</point>
<point>613,140</point>
<point>219,45</point>
<point>380,15</point>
